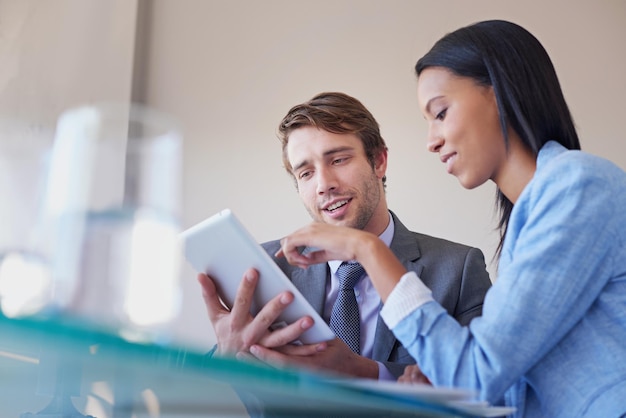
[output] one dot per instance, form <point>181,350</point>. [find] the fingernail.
<point>285,299</point>
<point>306,323</point>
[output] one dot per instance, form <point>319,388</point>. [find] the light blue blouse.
<point>552,337</point>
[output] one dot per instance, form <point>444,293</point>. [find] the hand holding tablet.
<point>221,247</point>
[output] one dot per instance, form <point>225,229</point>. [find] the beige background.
<point>229,70</point>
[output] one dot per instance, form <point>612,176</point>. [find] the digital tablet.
<point>221,247</point>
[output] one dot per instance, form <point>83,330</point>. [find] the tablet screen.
<point>221,247</point>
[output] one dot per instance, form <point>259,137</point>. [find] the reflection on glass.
<point>24,154</point>
<point>24,282</point>
<point>152,239</point>
<point>112,210</point>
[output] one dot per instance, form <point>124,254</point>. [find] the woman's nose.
<point>434,140</point>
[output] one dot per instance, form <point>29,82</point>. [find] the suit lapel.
<point>311,282</point>
<point>405,247</point>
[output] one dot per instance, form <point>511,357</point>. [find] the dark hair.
<point>337,113</point>
<point>510,59</point>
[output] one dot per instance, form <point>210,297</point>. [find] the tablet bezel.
<point>222,247</point>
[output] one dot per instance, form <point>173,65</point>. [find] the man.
<point>333,149</point>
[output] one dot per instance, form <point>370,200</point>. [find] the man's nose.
<point>326,181</point>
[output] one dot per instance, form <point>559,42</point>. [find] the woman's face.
<point>463,125</point>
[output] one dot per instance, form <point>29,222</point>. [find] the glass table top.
<point>62,367</point>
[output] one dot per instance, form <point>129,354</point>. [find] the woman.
<point>552,337</point>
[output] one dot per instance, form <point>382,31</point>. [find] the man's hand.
<point>236,329</point>
<point>332,356</point>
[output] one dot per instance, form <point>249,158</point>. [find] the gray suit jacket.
<point>455,273</point>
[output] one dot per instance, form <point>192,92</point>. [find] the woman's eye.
<point>441,115</point>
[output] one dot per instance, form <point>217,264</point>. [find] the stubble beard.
<point>370,198</point>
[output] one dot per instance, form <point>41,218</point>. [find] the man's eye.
<point>304,174</point>
<point>441,115</point>
<point>339,160</point>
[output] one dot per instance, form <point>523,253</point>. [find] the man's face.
<point>335,180</point>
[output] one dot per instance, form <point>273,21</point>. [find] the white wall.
<point>63,53</point>
<point>230,70</point>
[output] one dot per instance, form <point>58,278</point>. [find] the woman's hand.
<point>330,242</point>
<point>413,374</point>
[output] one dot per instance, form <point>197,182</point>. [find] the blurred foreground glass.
<point>24,154</point>
<point>112,211</point>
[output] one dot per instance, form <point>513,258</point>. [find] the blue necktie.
<point>345,319</point>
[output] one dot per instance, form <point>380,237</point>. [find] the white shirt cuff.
<point>408,295</point>
<point>384,373</point>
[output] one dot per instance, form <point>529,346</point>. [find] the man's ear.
<point>380,164</point>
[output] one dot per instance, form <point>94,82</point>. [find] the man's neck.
<point>379,221</point>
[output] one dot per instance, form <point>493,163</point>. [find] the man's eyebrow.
<point>337,150</point>
<point>300,165</point>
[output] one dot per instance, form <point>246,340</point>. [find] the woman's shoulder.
<point>556,163</point>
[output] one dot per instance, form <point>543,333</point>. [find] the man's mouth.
<point>337,205</point>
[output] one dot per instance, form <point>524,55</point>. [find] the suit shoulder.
<point>271,246</point>
<point>432,243</point>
